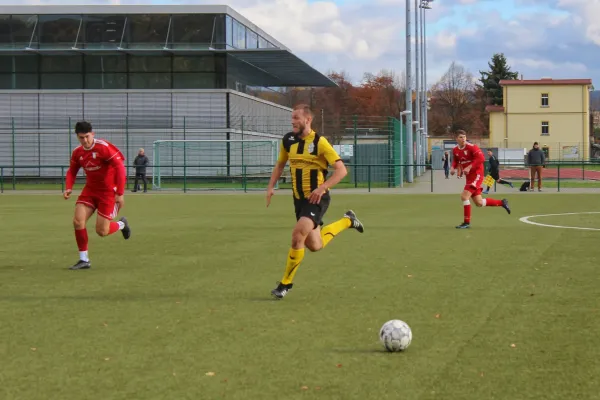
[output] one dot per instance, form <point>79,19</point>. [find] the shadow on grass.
<point>102,297</point>
<point>371,350</point>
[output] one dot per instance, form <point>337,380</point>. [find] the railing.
<point>556,175</point>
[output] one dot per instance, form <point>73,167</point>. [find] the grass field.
<point>182,310</point>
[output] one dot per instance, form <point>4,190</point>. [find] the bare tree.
<point>454,99</point>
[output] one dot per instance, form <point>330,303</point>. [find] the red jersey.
<point>471,154</point>
<point>103,166</point>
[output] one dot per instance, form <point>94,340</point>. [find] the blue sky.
<point>555,38</point>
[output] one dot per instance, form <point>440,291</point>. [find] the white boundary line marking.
<point>527,221</point>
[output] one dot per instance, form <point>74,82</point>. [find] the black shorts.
<point>495,175</point>
<point>313,211</point>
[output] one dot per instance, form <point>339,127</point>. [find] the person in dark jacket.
<point>536,160</point>
<point>140,163</point>
<point>446,160</point>
<point>495,171</point>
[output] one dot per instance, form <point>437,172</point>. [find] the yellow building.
<point>553,112</point>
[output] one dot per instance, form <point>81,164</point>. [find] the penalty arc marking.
<point>528,221</point>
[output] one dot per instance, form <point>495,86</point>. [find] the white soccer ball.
<point>395,335</point>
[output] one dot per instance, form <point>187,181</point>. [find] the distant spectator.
<point>446,160</point>
<point>140,163</point>
<point>536,160</point>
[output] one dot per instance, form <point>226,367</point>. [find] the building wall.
<point>497,127</point>
<point>37,126</point>
<point>563,99</point>
<point>567,115</point>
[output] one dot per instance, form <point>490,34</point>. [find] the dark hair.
<point>461,132</point>
<point>83,127</point>
<point>536,143</point>
<point>305,108</point>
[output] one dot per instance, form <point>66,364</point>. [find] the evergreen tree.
<point>490,80</point>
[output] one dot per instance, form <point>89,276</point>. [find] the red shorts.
<point>474,181</point>
<point>104,203</point>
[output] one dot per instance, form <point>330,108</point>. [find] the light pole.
<point>417,147</point>
<point>409,87</point>
<point>425,5</point>
<point>401,144</point>
<point>417,111</point>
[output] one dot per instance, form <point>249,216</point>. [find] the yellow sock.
<point>294,259</point>
<point>332,230</point>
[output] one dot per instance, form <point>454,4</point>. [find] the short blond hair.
<point>306,108</point>
<point>141,149</point>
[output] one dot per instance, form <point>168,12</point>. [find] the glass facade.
<point>90,51</point>
<point>91,71</point>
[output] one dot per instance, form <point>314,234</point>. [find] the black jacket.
<point>494,165</point>
<point>140,163</point>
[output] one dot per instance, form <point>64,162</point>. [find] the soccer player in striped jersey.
<point>309,155</point>
<point>103,191</point>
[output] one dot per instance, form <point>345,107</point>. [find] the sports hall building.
<point>138,73</point>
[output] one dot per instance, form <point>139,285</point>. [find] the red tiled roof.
<point>509,82</point>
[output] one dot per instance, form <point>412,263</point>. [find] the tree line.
<point>456,101</point>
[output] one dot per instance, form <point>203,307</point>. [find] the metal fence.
<point>556,176</point>
<point>37,154</point>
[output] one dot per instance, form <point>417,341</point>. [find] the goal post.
<point>213,164</point>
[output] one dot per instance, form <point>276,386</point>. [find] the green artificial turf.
<point>182,310</point>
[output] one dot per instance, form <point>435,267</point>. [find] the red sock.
<point>493,202</point>
<point>114,227</point>
<point>82,239</point>
<point>467,209</point>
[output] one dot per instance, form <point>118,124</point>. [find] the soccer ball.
<point>395,335</point>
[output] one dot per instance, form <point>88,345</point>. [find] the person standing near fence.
<point>495,171</point>
<point>140,162</point>
<point>536,160</point>
<point>446,161</point>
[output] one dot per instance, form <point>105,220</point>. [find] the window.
<point>5,31</point>
<point>545,128</point>
<point>194,63</point>
<point>61,64</point>
<point>107,80</point>
<point>94,63</point>
<point>545,100</point>
<point>103,31</point>
<point>262,43</point>
<point>239,35</point>
<point>194,31</point>
<point>59,31</point>
<point>149,64</point>
<point>147,30</point>
<point>251,39</point>
<point>229,31</point>
<point>22,28</point>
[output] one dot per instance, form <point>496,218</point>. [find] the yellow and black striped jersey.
<point>309,159</point>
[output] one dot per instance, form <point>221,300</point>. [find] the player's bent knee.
<point>102,231</point>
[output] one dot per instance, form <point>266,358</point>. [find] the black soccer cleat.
<point>505,205</point>
<point>355,222</point>
<point>81,265</point>
<point>126,231</point>
<point>281,290</point>
<point>464,225</point>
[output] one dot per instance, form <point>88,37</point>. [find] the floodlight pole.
<point>417,110</point>
<point>409,89</point>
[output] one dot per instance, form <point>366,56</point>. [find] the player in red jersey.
<point>103,191</point>
<point>470,158</point>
